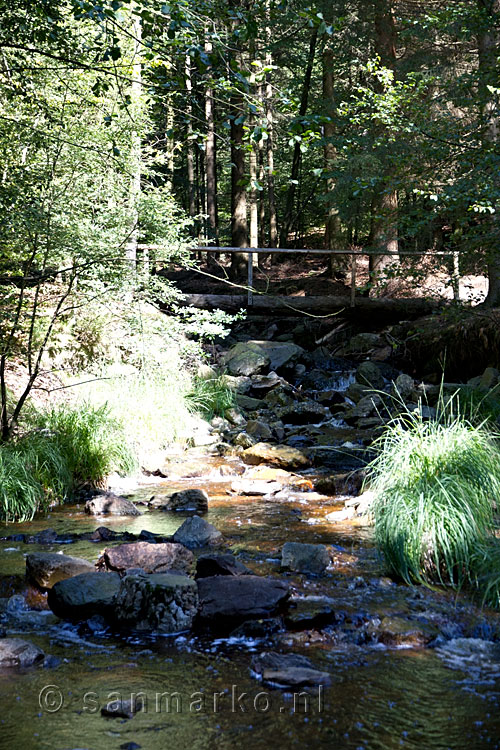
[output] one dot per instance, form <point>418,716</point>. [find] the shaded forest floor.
<point>310,276</point>
<point>298,276</point>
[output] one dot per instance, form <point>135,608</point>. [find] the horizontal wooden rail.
<point>305,251</point>
<point>302,250</point>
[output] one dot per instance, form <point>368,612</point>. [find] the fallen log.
<point>379,307</point>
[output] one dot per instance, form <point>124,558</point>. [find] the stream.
<point>409,668</point>
<point>405,666</point>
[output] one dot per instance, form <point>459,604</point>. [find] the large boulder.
<point>280,353</point>
<point>259,430</point>
<point>282,456</point>
<point>369,374</point>
<point>150,557</point>
<point>196,532</point>
<point>254,357</point>
<point>305,558</point>
<point>188,500</point>
<point>220,565</point>
<point>110,505</point>
<point>226,601</point>
<point>84,596</point>
<point>403,387</point>
<point>159,602</point>
<point>307,412</point>
<point>243,359</point>
<point>44,569</point>
<point>288,670</point>
<point>15,652</point>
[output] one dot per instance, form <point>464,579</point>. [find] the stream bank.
<point>401,666</point>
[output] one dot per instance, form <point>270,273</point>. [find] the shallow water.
<point>379,698</point>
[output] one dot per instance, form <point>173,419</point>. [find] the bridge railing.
<point>353,254</point>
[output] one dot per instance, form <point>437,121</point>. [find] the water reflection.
<point>379,698</point>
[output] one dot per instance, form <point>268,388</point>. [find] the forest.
<point>250,373</point>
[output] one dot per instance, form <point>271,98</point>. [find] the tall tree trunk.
<point>262,200</point>
<point>253,166</point>
<point>290,197</point>
<point>211,157</point>
<point>333,238</point>
<point>384,228</point>
<point>170,143</point>
<point>489,50</point>
<point>190,144</point>
<point>273,220</point>
<point>239,226</point>
<point>135,147</point>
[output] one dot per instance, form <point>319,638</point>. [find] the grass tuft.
<point>90,441</point>
<point>435,483</point>
<point>210,396</point>
<point>64,449</point>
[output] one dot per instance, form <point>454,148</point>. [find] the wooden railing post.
<point>353,280</point>
<point>250,279</point>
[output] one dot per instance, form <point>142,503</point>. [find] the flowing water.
<point>199,692</point>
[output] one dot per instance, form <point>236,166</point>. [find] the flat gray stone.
<point>255,487</point>
<point>111,505</point>
<point>282,456</point>
<point>150,557</point>
<point>14,652</point>
<point>44,569</point>
<point>288,670</point>
<point>226,601</point>
<point>196,532</point>
<point>220,565</point>
<point>305,558</point>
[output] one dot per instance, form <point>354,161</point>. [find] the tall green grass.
<point>90,441</point>
<point>64,449</point>
<point>21,492</point>
<point>151,407</point>
<point>435,483</point>
<point>210,396</point>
